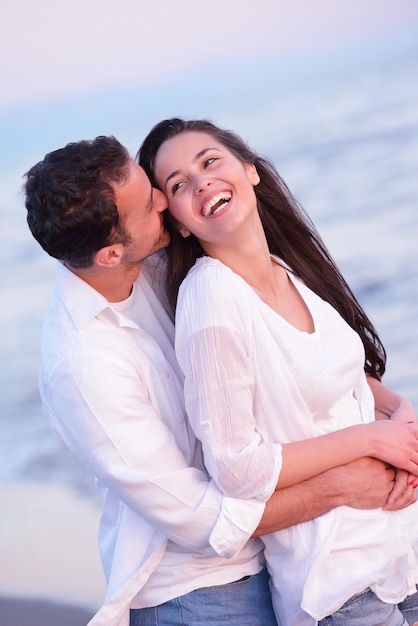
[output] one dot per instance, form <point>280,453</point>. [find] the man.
<point>112,390</point>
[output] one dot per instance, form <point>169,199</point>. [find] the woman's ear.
<point>183,231</point>
<point>252,173</point>
<point>177,226</point>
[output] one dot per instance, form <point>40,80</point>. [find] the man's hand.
<point>403,493</point>
<point>367,483</point>
<point>375,484</point>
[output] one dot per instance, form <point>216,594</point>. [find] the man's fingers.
<point>403,493</point>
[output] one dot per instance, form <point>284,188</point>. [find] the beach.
<point>19,612</point>
<point>50,572</point>
<point>346,143</point>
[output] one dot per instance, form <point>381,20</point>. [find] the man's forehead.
<point>136,188</point>
<point>140,172</point>
<point>135,174</point>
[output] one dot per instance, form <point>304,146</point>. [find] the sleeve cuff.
<point>237,522</point>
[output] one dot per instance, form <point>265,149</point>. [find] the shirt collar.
<point>82,301</point>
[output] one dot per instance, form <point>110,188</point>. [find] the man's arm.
<point>100,407</point>
<point>363,484</point>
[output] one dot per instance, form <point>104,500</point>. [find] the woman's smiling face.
<point>210,191</point>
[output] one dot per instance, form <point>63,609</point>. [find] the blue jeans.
<point>365,609</point>
<point>409,608</point>
<point>246,602</point>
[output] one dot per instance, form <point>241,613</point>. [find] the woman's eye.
<point>175,187</point>
<point>210,161</point>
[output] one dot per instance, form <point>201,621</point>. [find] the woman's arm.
<point>395,443</point>
<point>336,448</point>
<point>390,405</point>
<point>215,350</point>
<point>219,391</point>
<point>220,388</point>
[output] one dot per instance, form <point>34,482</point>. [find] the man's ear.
<point>109,256</point>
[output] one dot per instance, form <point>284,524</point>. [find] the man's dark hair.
<point>70,200</point>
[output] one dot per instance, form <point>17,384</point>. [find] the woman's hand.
<point>395,442</point>
<point>404,412</point>
<point>390,405</point>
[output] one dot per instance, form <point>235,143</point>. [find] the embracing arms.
<point>394,442</point>
<point>363,484</point>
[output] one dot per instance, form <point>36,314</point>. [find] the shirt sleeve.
<point>214,348</point>
<point>101,408</point>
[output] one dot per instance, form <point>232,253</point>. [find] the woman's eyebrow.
<point>196,158</point>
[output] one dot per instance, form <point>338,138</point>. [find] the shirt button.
<point>206,426</point>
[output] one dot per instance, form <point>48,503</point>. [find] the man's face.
<point>141,210</point>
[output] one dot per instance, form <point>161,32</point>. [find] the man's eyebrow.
<point>196,158</point>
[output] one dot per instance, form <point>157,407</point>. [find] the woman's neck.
<point>247,254</point>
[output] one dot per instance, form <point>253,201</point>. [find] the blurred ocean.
<point>345,141</point>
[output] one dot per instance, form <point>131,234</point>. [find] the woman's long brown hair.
<point>290,234</point>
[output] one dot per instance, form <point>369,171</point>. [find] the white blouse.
<point>253,382</point>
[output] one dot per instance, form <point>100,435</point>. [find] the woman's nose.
<point>201,183</point>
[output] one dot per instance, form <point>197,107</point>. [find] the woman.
<point>281,365</point>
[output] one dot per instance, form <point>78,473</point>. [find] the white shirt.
<point>253,382</point>
<point>115,398</point>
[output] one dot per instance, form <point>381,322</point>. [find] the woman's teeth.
<point>216,203</point>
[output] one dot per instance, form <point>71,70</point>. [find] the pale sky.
<point>52,49</point>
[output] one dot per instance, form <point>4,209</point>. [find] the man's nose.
<point>160,200</point>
